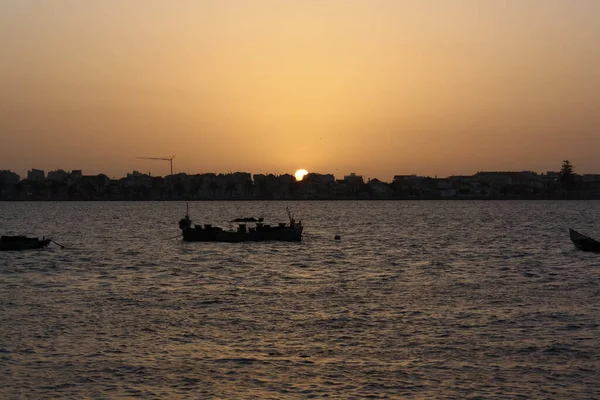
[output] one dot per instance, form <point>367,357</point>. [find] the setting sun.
<point>300,174</point>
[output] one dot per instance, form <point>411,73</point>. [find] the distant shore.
<point>243,186</point>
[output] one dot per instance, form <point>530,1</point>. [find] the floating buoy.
<point>337,237</point>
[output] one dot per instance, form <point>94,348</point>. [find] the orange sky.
<point>377,87</point>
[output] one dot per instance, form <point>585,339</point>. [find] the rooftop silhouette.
<point>74,185</point>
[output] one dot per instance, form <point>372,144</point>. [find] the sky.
<point>376,87</point>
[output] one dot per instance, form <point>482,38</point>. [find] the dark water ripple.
<point>418,300</point>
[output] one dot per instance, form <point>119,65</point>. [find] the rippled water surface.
<point>452,300</point>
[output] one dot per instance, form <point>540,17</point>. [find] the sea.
<point>416,300</point>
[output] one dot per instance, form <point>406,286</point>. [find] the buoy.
<point>337,237</point>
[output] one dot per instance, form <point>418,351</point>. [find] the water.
<point>452,300</point>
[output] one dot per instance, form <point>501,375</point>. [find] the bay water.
<point>419,299</point>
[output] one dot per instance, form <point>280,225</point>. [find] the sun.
<point>300,174</point>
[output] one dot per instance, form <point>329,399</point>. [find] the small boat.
<point>291,232</point>
<point>583,242</point>
<point>22,243</point>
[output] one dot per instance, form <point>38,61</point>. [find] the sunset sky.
<point>376,87</point>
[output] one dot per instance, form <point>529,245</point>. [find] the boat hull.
<point>583,242</point>
<point>22,243</point>
<point>193,235</point>
<point>286,234</point>
<point>283,235</point>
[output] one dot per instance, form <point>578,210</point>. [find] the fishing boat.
<point>259,232</point>
<point>22,243</point>
<point>583,242</point>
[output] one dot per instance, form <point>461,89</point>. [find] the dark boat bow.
<point>583,242</point>
<point>8,243</point>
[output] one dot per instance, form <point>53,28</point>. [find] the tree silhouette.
<point>567,168</point>
<point>567,177</point>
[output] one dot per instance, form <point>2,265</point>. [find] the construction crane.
<point>169,159</point>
